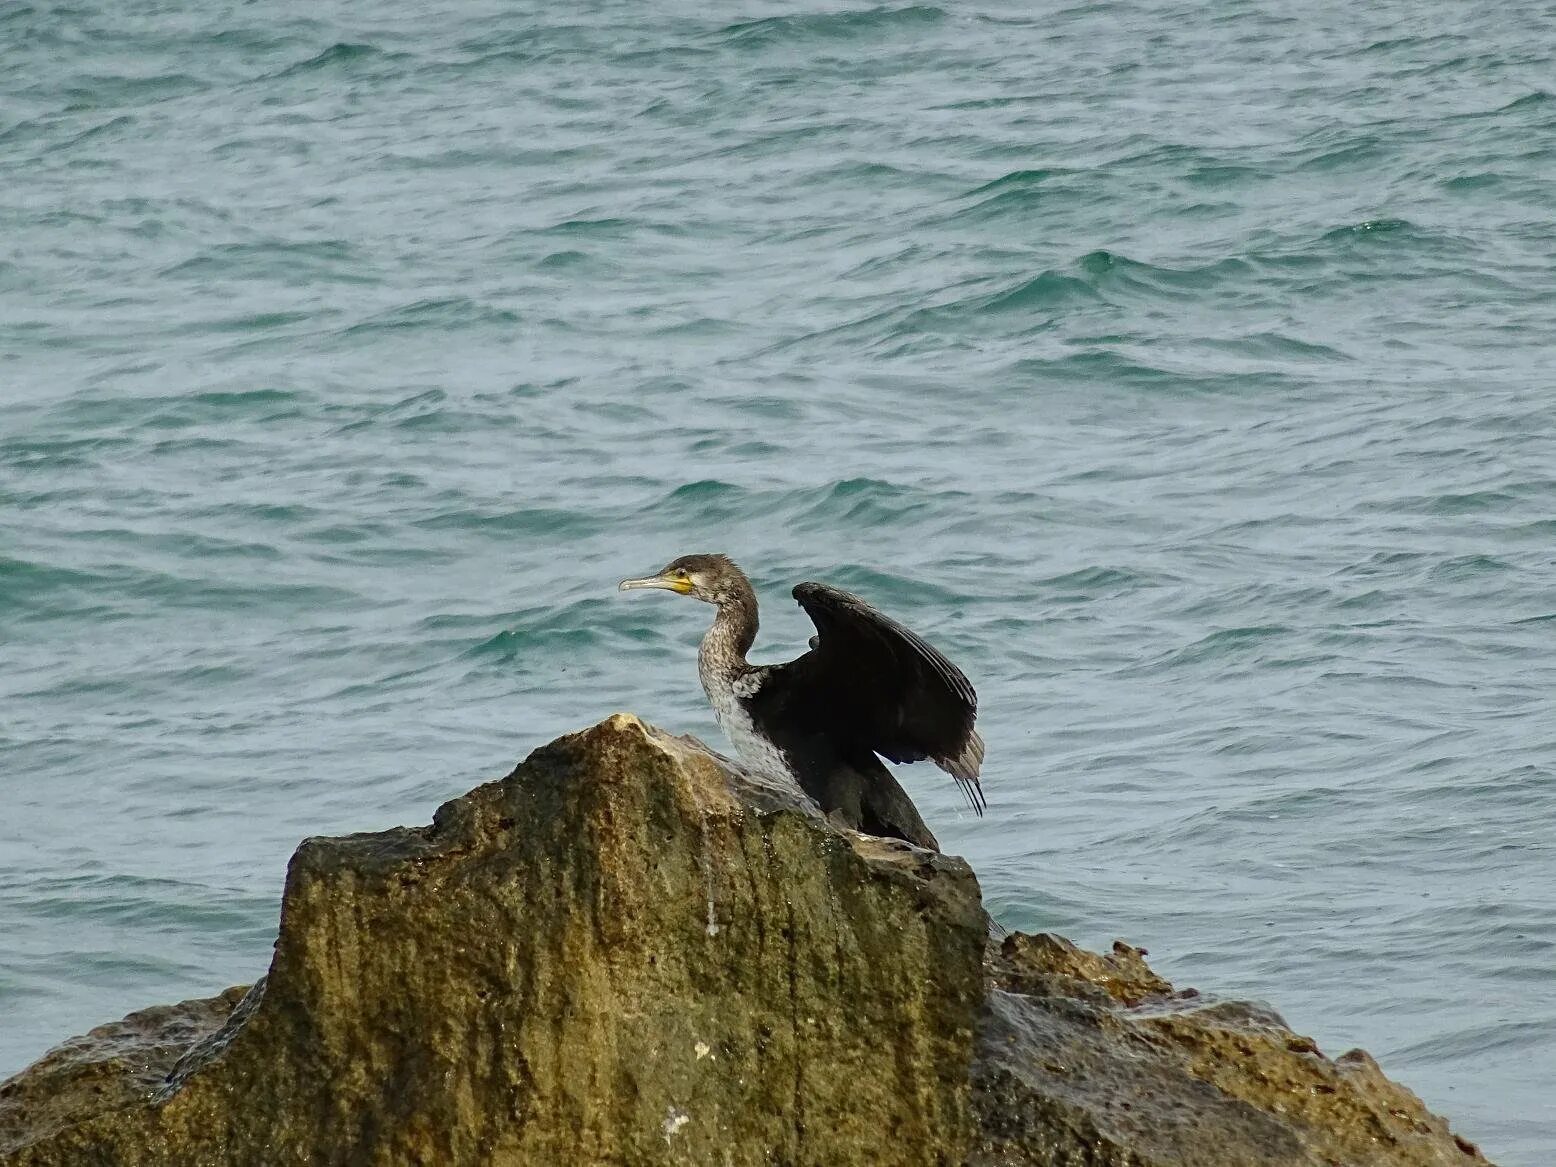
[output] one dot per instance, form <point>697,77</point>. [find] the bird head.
<point>714,579</point>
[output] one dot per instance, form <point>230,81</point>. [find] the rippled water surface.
<point>1184,370</point>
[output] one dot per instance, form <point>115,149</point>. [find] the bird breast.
<point>728,696</point>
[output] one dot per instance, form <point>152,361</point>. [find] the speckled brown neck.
<point>724,646</point>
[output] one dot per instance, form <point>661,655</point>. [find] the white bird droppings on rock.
<point>674,1121</point>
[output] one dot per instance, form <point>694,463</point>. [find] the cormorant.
<point>867,687</point>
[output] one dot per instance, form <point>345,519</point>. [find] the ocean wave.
<point>290,262</point>
<point>528,522</point>
<point>57,591</point>
<point>454,312</point>
<point>1251,643</point>
<point>343,55</point>
<point>829,26</point>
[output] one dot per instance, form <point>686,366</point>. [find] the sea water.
<point>1184,371</point>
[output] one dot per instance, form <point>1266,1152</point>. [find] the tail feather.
<point>964,768</point>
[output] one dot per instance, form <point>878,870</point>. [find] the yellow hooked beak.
<point>681,585</point>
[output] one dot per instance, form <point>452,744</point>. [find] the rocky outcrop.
<point>629,952</point>
<point>1087,1059</point>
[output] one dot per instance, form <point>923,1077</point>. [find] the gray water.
<point>1183,371</point>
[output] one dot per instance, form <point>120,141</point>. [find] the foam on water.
<point>1181,371</point>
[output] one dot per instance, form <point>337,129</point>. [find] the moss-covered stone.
<point>627,952</point>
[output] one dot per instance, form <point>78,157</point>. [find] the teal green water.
<point>1185,371</point>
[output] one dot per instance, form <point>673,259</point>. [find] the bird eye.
<point>681,573</point>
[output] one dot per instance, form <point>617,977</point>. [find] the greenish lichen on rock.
<point>629,951</point>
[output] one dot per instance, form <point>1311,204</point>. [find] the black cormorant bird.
<point>867,687</point>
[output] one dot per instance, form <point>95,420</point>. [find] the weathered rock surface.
<point>1087,1059</point>
<point>626,952</point>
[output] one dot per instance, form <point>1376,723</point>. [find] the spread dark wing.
<point>886,688</point>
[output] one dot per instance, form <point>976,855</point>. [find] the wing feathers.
<point>903,699</point>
